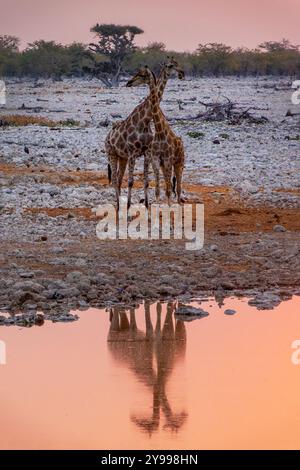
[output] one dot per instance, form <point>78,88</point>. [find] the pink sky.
<point>182,25</point>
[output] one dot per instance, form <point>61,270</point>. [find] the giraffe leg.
<point>155,166</point>
<point>146,178</point>
<point>121,171</point>
<point>149,326</point>
<point>158,320</point>
<point>178,169</point>
<point>113,161</point>
<point>131,163</point>
<point>167,171</point>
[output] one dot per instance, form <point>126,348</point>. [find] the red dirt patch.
<point>78,212</point>
<point>224,213</point>
<point>231,222</point>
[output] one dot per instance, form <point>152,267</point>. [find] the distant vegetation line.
<point>114,54</point>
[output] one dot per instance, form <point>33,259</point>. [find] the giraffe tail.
<point>109,173</point>
<point>174,184</point>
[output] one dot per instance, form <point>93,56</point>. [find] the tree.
<point>9,48</point>
<point>156,46</point>
<point>78,58</point>
<point>281,57</point>
<point>9,43</point>
<point>213,58</point>
<point>115,53</point>
<point>44,58</point>
<point>115,44</point>
<point>50,59</point>
<point>278,46</point>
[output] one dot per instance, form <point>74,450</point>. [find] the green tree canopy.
<point>9,48</point>
<point>278,46</point>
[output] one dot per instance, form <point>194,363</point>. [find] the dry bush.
<point>24,120</point>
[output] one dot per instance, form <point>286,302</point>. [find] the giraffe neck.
<point>145,107</point>
<point>154,99</point>
<point>162,81</point>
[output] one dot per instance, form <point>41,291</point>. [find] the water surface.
<point>140,379</point>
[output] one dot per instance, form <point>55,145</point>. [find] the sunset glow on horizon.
<point>180,25</point>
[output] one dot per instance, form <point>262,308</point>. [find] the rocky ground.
<point>52,175</point>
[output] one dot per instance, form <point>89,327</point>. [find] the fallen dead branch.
<point>289,113</point>
<point>226,111</point>
<point>38,109</point>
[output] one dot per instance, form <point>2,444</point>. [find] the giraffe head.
<point>171,65</point>
<point>142,77</point>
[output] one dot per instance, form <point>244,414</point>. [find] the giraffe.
<point>129,139</point>
<point>166,149</point>
<point>164,344</point>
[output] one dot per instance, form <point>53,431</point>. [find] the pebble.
<point>229,311</point>
<point>213,248</point>
<point>279,228</point>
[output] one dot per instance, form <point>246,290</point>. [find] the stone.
<point>133,291</point>
<point>229,311</point>
<point>228,285</point>
<point>84,286</point>
<point>29,286</point>
<point>65,317</point>
<point>53,191</point>
<point>92,294</point>
<point>80,263</point>
<point>67,292</point>
<point>56,250</point>
<point>31,306</point>
<point>265,301</point>
<point>26,274</point>
<point>189,313</point>
<point>279,228</point>
<point>212,272</point>
<point>57,284</point>
<point>166,290</point>
<point>74,276</point>
<point>213,248</point>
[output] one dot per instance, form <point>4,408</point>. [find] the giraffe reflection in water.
<point>163,345</point>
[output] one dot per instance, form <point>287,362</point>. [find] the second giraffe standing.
<point>166,149</point>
